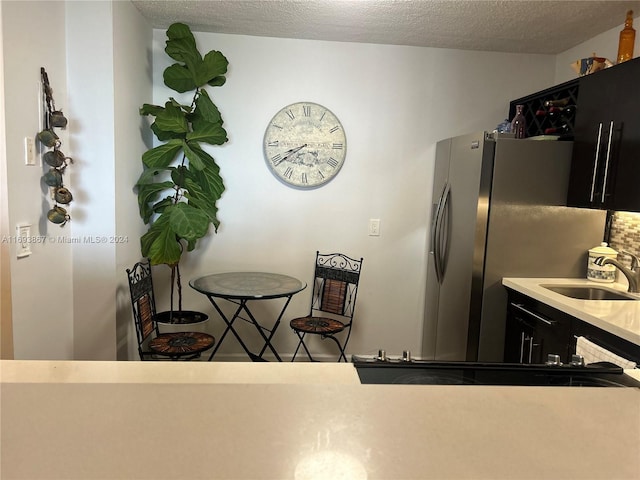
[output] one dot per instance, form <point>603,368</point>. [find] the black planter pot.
<point>183,321</point>
<point>181,317</point>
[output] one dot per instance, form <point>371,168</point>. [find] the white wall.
<point>69,298</point>
<point>109,72</point>
<point>34,37</point>
<point>91,109</point>
<point>394,103</point>
<point>132,40</point>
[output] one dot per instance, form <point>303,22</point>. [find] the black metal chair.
<point>333,302</point>
<point>153,345</point>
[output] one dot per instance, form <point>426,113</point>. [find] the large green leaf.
<point>164,135</point>
<point>179,78</point>
<point>181,45</point>
<point>188,222</point>
<point>147,194</point>
<point>178,175</point>
<point>148,109</point>
<point>160,243</point>
<point>205,188</point>
<point>162,155</point>
<point>207,132</point>
<point>213,65</point>
<point>206,109</point>
<point>163,204</point>
<point>217,81</point>
<point>193,156</point>
<point>205,203</point>
<point>172,119</point>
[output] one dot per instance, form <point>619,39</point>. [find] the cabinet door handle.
<point>606,163</point>
<point>595,164</point>
<point>533,314</point>
<point>521,347</point>
<point>530,349</point>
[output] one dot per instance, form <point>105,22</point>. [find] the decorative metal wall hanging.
<point>56,160</point>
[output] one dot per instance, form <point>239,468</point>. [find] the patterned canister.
<point>604,273</point>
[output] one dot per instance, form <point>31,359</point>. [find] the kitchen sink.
<point>587,292</point>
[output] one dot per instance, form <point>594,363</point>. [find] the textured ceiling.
<point>519,26</point>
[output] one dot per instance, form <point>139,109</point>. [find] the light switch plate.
<point>23,240</point>
<point>29,151</point>
<point>374,227</point>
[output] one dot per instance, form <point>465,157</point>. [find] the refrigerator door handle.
<point>434,234</point>
<point>595,164</point>
<point>444,230</point>
<point>606,162</point>
<point>436,226</point>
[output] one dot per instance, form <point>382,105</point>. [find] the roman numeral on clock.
<point>273,143</point>
<point>333,162</point>
<point>337,146</point>
<point>276,159</point>
<point>307,110</point>
<point>334,129</point>
<point>290,114</point>
<point>303,177</point>
<point>288,172</point>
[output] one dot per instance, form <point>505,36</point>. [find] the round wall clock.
<point>305,145</point>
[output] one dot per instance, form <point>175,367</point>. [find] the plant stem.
<point>173,276</point>
<point>179,284</point>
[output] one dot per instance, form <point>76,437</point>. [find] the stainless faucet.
<point>632,274</point>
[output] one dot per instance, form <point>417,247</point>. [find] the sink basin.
<point>587,292</point>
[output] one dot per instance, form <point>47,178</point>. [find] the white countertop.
<point>619,317</point>
<point>130,420</point>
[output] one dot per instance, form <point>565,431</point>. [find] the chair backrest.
<point>336,284</point>
<point>143,301</point>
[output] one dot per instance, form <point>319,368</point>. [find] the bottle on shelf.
<point>560,102</point>
<point>562,111</point>
<point>627,39</point>
<point>555,112</point>
<point>559,130</point>
<point>519,124</point>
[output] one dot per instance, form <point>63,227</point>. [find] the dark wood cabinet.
<point>605,169</point>
<point>534,330</point>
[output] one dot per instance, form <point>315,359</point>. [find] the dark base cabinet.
<point>535,330</point>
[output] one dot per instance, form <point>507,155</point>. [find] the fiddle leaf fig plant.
<point>181,182</point>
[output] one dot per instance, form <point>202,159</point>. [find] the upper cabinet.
<point>605,169</point>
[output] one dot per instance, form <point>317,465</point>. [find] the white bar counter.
<point>103,420</point>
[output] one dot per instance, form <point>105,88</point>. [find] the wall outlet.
<point>374,227</point>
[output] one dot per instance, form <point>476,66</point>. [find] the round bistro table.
<point>241,287</point>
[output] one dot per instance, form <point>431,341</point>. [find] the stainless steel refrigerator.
<point>497,212</point>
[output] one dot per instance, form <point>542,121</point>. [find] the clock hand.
<point>290,152</point>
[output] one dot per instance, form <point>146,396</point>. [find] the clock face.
<point>305,145</point>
